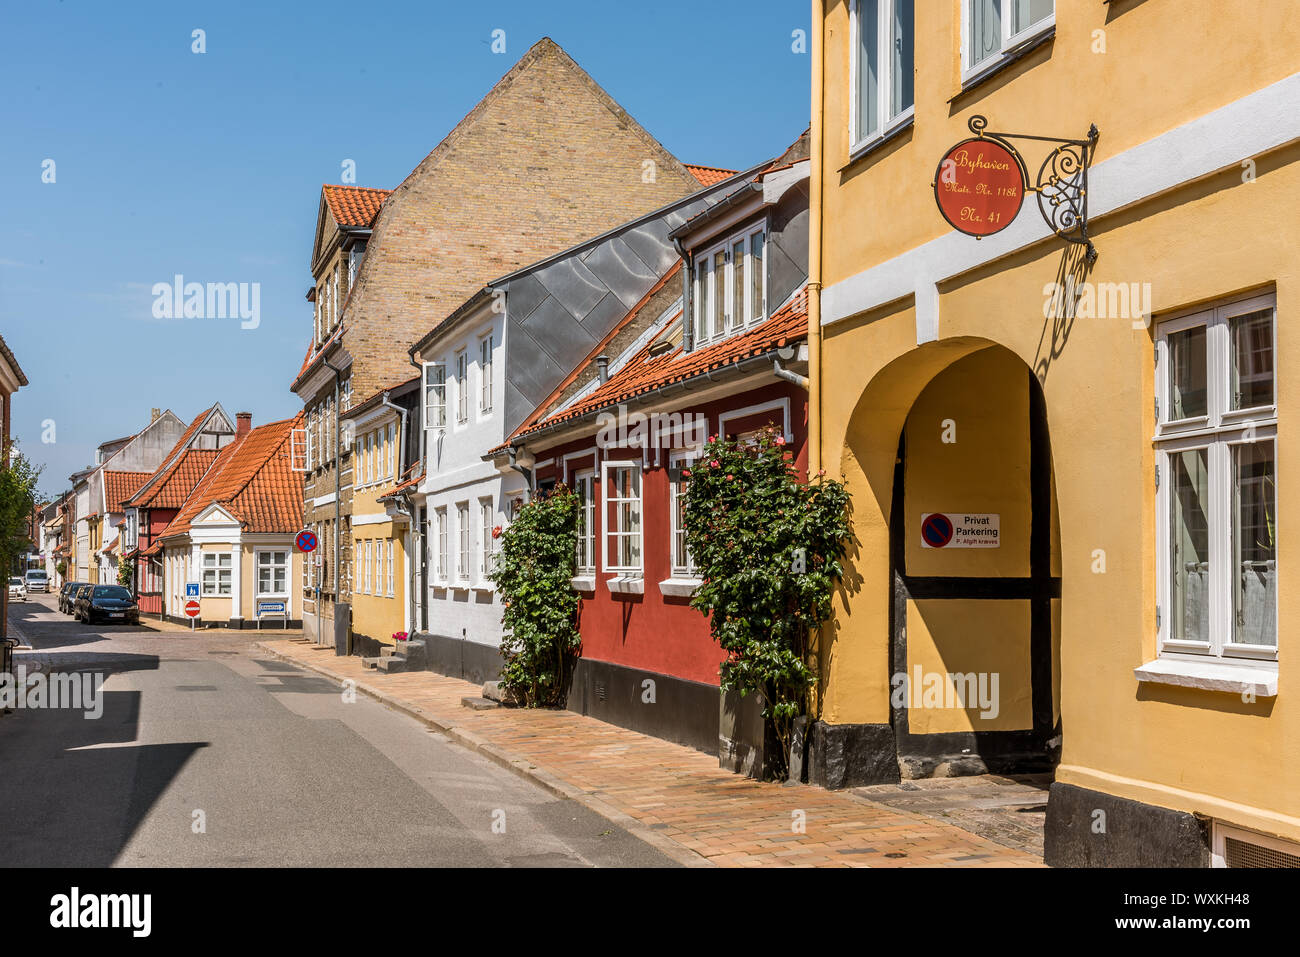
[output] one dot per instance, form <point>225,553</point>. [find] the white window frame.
<point>703,289</point>
<point>612,532</point>
<point>367,556</point>
<point>435,383</point>
<point>465,542</point>
<point>389,567</point>
<point>1010,45</point>
<point>390,451</point>
<point>462,387</point>
<point>588,540</point>
<point>221,570</point>
<point>485,347</point>
<point>1218,431</point>
<point>858,139</point>
<point>286,563</point>
<point>442,563</point>
<point>680,565</point>
<point>487,521</point>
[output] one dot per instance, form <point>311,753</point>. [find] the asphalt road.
<point>272,761</point>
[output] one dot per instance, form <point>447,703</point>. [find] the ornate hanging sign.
<point>980,184</point>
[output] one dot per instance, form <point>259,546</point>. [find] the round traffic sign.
<point>306,541</point>
<point>192,609</point>
<point>936,529</point>
<point>979,186</point>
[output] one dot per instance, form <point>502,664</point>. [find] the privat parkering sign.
<point>979,186</point>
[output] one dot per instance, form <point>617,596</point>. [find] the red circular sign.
<point>937,530</point>
<point>192,609</point>
<point>979,186</point>
<point>306,541</point>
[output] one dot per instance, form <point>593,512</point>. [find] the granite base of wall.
<point>1087,828</point>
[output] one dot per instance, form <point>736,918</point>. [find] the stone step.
<point>478,704</point>
<point>371,662</point>
<point>387,652</point>
<point>391,665</point>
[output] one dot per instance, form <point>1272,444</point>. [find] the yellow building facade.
<point>375,429</point>
<point>1064,472</point>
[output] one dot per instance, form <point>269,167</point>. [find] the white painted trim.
<point>1221,831</point>
<point>1210,675</point>
<point>884,30</point>
<point>1257,123</point>
<point>626,585</point>
<point>782,404</point>
<point>324,500</point>
<point>680,586</point>
<point>584,583</point>
<point>370,520</point>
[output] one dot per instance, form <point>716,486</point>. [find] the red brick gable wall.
<point>545,161</point>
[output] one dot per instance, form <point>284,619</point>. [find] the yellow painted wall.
<point>1197,751</point>
<point>952,637</point>
<point>377,615</point>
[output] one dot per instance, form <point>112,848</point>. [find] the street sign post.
<point>192,608</point>
<point>191,589</point>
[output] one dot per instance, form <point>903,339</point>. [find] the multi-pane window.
<point>884,42</point>
<point>623,516</point>
<point>1217,461</point>
<point>485,374</point>
<point>392,451</point>
<point>486,515</point>
<point>585,486</point>
<point>681,556</point>
<point>367,554</point>
<point>442,563</point>
<point>730,287</point>
<point>462,387</point>
<point>435,395</point>
<point>216,574</point>
<point>389,566</point>
<point>993,28</point>
<point>466,533</point>
<point>272,573</point>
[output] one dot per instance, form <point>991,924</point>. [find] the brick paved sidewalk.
<point>673,797</point>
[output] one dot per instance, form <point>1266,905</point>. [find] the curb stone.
<point>515,763</point>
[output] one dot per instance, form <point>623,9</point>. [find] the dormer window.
<point>730,286</point>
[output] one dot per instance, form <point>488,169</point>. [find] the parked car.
<point>111,603</point>
<point>66,595</point>
<point>17,589</point>
<point>37,580</point>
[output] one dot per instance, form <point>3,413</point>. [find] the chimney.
<point>243,423</point>
<point>602,368</point>
<point>154,415</point>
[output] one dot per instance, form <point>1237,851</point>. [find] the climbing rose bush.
<point>534,573</point>
<point>769,548</point>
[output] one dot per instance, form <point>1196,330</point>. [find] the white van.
<point>37,580</point>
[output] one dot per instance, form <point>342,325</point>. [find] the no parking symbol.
<point>959,530</point>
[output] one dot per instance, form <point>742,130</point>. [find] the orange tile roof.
<point>645,372</point>
<point>120,486</point>
<point>354,205</point>
<point>189,470</point>
<point>709,175</point>
<point>252,480</point>
<point>143,497</point>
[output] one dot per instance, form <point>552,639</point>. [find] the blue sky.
<point>167,161</point>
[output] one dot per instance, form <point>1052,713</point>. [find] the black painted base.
<point>674,709</point>
<point>852,755</point>
<point>461,658</point>
<point>1088,828</point>
<point>366,647</point>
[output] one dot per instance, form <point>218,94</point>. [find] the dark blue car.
<point>110,603</point>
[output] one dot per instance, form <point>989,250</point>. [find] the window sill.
<point>485,587</point>
<point>1008,58</point>
<point>1260,682</point>
<point>863,150</point>
<point>680,587</point>
<point>626,585</point>
<point>584,583</point>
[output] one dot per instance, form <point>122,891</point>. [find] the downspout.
<point>415,553</point>
<point>783,373</point>
<point>817,150</point>
<point>817,658</point>
<point>688,322</point>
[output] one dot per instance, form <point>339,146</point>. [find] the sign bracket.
<point>1062,182</point>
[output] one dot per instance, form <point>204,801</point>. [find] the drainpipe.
<point>783,373</point>
<point>815,187</point>
<point>688,323</point>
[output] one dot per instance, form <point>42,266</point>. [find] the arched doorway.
<point>974,571</point>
